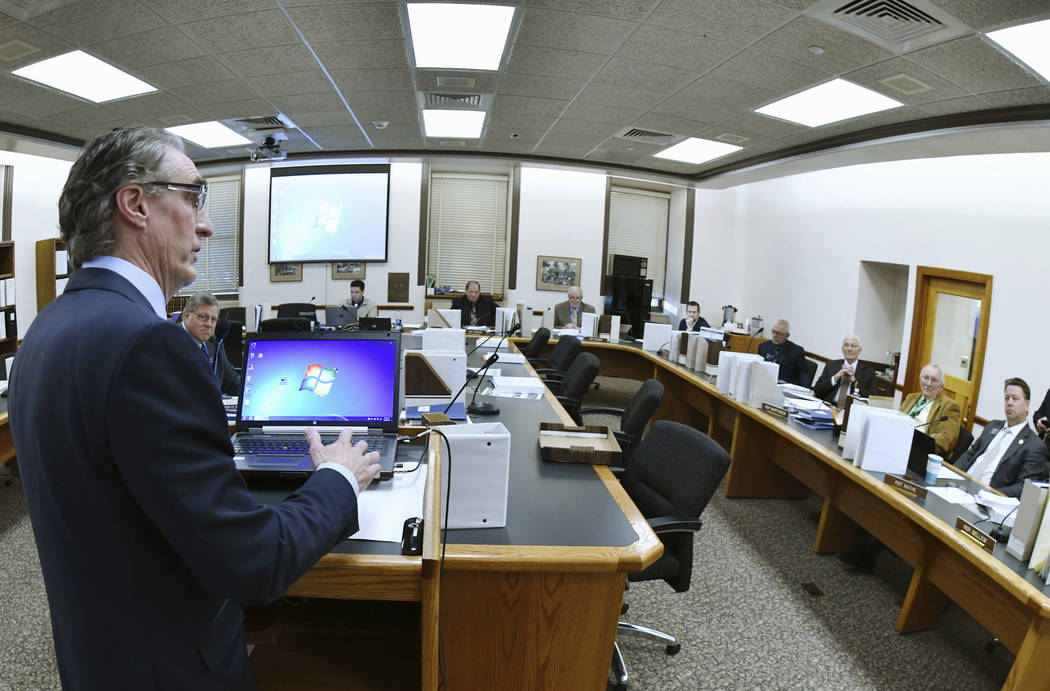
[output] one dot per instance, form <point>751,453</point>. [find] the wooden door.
<point>950,329</point>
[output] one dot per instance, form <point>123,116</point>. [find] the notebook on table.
<point>327,381</point>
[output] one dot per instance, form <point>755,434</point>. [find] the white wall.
<point>38,182</point>
<point>673,298</point>
<point>561,213</point>
<point>719,271</point>
<point>798,243</point>
<point>881,294</point>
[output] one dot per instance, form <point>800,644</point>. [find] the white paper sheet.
<point>383,507</point>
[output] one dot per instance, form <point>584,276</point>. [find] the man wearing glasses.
<point>149,541</point>
<point>199,317</point>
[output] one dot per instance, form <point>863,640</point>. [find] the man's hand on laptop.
<point>355,457</point>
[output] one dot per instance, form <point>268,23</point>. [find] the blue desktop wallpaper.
<point>355,381</point>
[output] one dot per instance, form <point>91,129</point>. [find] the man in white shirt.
<point>1008,452</point>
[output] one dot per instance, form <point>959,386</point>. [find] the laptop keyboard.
<point>296,446</point>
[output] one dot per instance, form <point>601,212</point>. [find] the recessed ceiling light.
<point>1028,43</point>
<point>465,124</point>
<point>85,76</point>
<point>210,135</point>
<point>695,150</point>
<point>468,37</point>
<point>829,102</point>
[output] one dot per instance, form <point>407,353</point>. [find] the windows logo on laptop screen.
<point>316,380</point>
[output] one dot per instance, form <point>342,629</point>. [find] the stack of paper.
<point>510,385</point>
<point>815,418</point>
<point>884,442</point>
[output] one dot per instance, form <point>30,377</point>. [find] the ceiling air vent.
<point>27,9</point>
<point>436,100</point>
<point>14,49</point>
<point>732,138</point>
<point>905,84</point>
<point>896,25</point>
<point>264,123</point>
<point>636,134</point>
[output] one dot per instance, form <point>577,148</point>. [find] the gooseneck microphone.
<point>488,363</point>
<point>932,422</point>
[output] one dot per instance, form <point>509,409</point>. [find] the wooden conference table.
<point>532,605</point>
<point>775,458</point>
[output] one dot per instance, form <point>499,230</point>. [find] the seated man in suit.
<point>365,307</point>
<point>1008,452</point>
<point>567,314</point>
<point>790,356</point>
<point>149,540</point>
<point>1041,417</point>
<point>929,405</point>
<point>199,317</point>
<point>848,375</point>
<point>474,308</point>
<point>693,321</point>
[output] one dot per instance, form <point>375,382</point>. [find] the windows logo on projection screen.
<point>329,213</point>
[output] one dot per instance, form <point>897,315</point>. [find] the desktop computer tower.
<point>630,297</point>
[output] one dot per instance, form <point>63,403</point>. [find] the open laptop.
<point>922,445</point>
<point>340,315</point>
<point>327,381</point>
<point>374,323</point>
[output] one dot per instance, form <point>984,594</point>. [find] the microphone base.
<point>482,409</point>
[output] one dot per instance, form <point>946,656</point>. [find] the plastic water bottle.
<point>397,322</point>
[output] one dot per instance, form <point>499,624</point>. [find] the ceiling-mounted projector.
<point>270,148</point>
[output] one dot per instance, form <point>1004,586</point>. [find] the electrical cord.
<point>442,684</point>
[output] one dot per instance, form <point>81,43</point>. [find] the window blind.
<point>638,228</point>
<point>218,262</point>
<point>467,235</point>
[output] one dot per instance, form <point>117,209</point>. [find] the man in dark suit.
<point>149,541</point>
<point>199,317</point>
<point>849,375</point>
<point>790,356</point>
<point>474,308</point>
<point>1008,452</point>
<point>567,314</point>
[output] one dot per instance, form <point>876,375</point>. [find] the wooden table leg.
<point>1030,670</point>
<point>837,531</point>
<point>923,604</point>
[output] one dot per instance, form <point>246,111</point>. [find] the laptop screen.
<point>295,379</point>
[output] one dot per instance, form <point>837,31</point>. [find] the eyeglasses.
<point>206,318</point>
<point>198,193</point>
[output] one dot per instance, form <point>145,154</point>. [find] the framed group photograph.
<point>347,270</point>
<point>557,273</point>
<point>286,271</point>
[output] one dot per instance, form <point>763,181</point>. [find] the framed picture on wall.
<point>347,270</point>
<point>287,271</point>
<point>557,273</point>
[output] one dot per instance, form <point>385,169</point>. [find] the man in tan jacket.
<point>929,405</point>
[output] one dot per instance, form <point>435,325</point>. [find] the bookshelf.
<point>52,270</point>
<point>8,319</point>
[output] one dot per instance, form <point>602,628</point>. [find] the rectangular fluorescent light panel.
<point>1029,43</point>
<point>210,135</point>
<point>694,150</point>
<point>460,124</point>
<point>85,76</point>
<point>467,37</point>
<point>829,102</point>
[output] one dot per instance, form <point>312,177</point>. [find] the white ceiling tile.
<point>544,87</point>
<point>602,113</point>
<point>694,109</point>
<point>842,51</point>
<point>731,21</point>
<point>613,95</point>
<point>553,62</point>
<point>646,75</point>
<point>185,72</point>
<point>631,10</point>
<point>242,31</point>
<point>729,92</point>
<point>572,31</point>
<point>188,11</point>
<point>156,47</point>
<point>973,65</point>
<point>528,105</point>
<point>270,60</point>
<point>358,21</point>
<point>359,55</point>
<point>293,83</point>
<point>84,23</point>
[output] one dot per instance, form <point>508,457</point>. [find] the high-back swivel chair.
<point>297,309</point>
<point>576,382</point>
<point>673,475</point>
<point>634,417</point>
<point>535,345</point>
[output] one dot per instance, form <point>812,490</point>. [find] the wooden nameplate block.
<point>905,486</point>
<point>775,410</point>
<point>983,539</point>
<point>600,339</point>
<point>590,444</point>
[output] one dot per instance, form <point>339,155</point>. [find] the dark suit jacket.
<point>1043,410</point>
<point>486,310</point>
<point>826,389</point>
<point>148,538</point>
<point>701,322</point>
<point>1025,459</point>
<point>792,360</point>
<point>562,312</point>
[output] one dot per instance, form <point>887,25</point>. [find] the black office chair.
<point>535,345</point>
<point>285,324</point>
<point>234,314</point>
<point>961,444</point>
<point>811,367</point>
<point>297,309</point>
<point>563,354</point>
<point>634,417</point>
<point>675,472</point>
<point>577,380</point>
<point>232,335</point>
